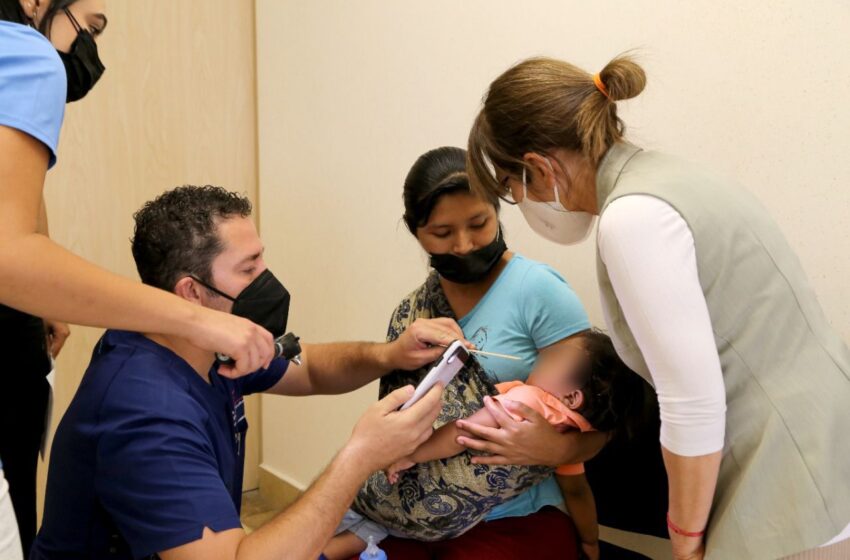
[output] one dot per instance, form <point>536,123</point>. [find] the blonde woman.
<point>694,278</point>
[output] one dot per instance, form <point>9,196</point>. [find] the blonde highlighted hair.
<point>542,104</point>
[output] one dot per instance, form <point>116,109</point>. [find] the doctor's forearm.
<point>340,367</point>
<point>302,531</point>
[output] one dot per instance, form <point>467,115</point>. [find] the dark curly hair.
<point>176,234</point>
<point>614,399</point>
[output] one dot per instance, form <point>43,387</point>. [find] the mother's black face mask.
<point>82,64</point>
<point>473,266</point>
<point>265,301</point>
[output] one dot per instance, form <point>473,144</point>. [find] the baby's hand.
<point>397,467</point>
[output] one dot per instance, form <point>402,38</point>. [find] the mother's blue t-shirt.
<point>528,307</point>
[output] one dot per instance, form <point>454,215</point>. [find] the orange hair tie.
<point>600,86</point>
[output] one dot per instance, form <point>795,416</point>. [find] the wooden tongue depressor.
<point>483,353</point>
<point>494,354</point>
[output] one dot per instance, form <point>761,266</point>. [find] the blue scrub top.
<point>529,306</point>
<point>33,85</point>
<point>147,455</point>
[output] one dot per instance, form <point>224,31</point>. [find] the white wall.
<point>350,93</point>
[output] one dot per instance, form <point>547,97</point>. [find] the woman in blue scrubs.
<point>48,57</point>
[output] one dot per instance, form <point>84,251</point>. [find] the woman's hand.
<point>529,441</point>
<point>687,548</point>
<point>57,333</point>
<point>250,346</point>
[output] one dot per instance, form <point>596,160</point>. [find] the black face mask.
<point>264,301</point>
<point>473,266</point>
<point>82,65</point>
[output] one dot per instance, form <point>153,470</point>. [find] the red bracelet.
<point>679,531</point>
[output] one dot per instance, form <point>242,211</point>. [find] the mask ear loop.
<point>214,289</point>
<point>555,186</point>
<point>74,21</point>
<point>524,183</point>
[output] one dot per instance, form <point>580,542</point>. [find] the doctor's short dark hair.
<point>176,234</point>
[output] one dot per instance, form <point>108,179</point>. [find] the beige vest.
<point>784,481</point>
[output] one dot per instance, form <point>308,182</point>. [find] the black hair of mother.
<point>436,173</point>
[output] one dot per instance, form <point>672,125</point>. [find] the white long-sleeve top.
<point>648,250</point>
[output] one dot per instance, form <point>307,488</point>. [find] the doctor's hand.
<point>384,435</point>
<point>530,441</point>
<point>423,342</point>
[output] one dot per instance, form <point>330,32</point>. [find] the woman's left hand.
<point>687,548</point>
<point>532,441</point>
<point>57,332</point>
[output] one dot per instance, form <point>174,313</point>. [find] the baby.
<point>579,385</point>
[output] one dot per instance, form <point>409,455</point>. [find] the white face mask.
<point>551,220</point>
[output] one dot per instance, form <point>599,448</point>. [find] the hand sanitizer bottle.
<point>372,551</point>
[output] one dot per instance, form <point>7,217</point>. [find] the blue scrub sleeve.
<point>158,479</point>
<point>264,379</point>
<point>551,309</point>
<point>32,85</point>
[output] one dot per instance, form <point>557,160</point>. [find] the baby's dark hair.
<point>613,394</point>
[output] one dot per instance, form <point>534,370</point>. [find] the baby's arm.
<point>442,444</point>
<point>580,503</point>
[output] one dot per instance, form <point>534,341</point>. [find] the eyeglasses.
<point>507,195</point>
